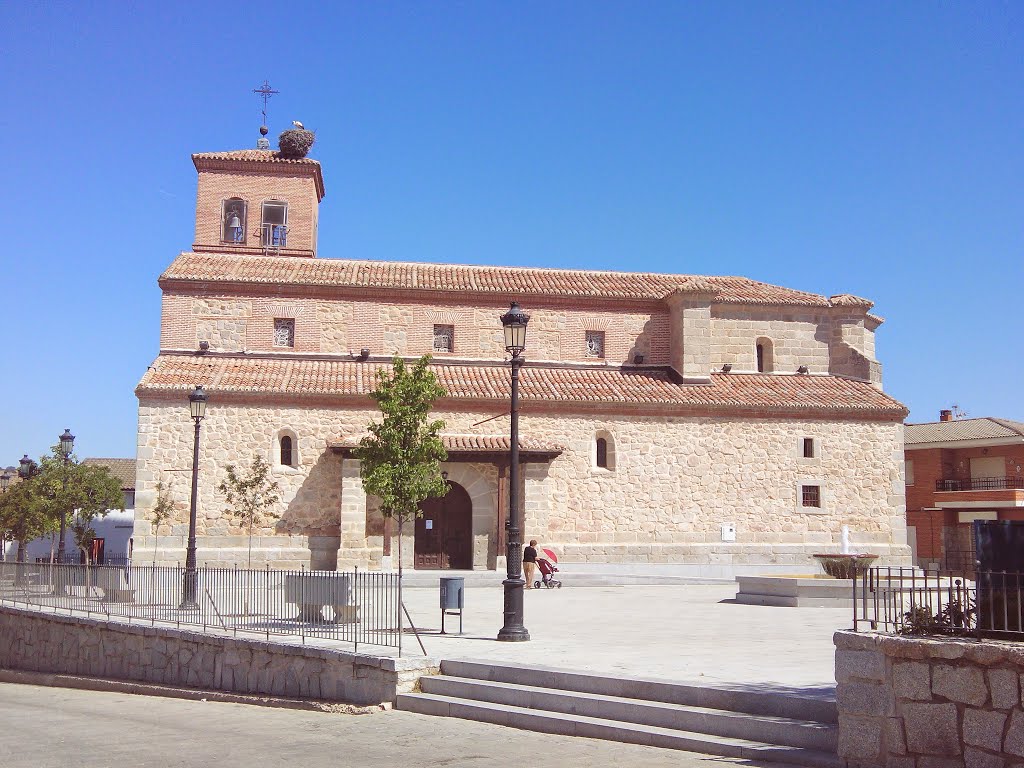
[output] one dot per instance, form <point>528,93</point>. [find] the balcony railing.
<point>980,484</point>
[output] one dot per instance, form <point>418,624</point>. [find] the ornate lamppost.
<point>197,404</point>
<point>514,322</point>
<point>67,445</point>
<point>27,469</point>
<point>5,482</point>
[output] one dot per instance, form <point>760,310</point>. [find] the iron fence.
<point>908,601</point>
<point>358,607</point>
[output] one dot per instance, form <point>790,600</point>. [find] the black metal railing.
<point>77,558</point>
<point>908,601</point>
<point>359,607</point>
<point>980,484</point>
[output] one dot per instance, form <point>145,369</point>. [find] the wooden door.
<point>444,534</point>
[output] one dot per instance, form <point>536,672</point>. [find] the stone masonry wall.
<point>675,481</point>
<point>340,326</point>
<point>929,702</point>
<point>78,645</point>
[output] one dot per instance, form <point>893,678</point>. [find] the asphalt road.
<point>44,727</point>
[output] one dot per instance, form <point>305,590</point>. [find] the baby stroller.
<point>548,569</point>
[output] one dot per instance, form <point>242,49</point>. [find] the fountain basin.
<point>845,566</point>
<point>814,590</point>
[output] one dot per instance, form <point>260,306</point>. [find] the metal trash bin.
<point>453,599</point>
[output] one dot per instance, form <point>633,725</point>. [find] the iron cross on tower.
<point>265,92</point>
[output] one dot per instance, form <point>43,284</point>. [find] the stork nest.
<point>295,143</point>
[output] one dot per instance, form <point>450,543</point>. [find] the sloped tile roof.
<point>611,386</point>
<point>987,428</point>
<point>504,281</point>
<point>253,156</point>
<point>468,444</point>
<point>122,469</point>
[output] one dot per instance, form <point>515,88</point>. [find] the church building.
<point>698,425</point>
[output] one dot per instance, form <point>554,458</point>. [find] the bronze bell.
<point>234,222</point>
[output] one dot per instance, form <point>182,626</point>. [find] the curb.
<point>84,683</point>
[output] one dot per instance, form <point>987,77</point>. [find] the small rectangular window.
<point>444,338</point>
<point>284,332</point>
<point>811,495</point>
<point>908,472</point>
<point>808,444</point>
<point>595,343</point>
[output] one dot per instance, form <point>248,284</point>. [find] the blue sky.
<point>868,148</point>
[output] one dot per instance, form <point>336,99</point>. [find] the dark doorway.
<point>444,535</point>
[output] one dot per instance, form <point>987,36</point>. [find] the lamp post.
<point>67,445</point>
<point>197,404</point>
<point>514,322</point>
<point>5,482</point>
<point>27,469</point>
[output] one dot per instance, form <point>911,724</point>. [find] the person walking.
<point>530,562</point>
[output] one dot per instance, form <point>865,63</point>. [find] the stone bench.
<point>114,583</point>
<point>311,592</point>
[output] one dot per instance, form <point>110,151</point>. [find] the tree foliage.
<point>33,507</point>
<point>250,496</point>
<point>24,514</point>
<point>400,458</point>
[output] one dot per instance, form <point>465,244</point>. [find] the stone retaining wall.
<point>78,645</point>
<point>929,703</point>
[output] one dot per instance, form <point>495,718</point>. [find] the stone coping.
<point>983,652</point>
<point>283,646</point>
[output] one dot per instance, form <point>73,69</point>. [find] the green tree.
<point>24,514</point>
<point>93,491</point>
<point>251,496</point>
<point>400,458</point>
<point>163,509</point>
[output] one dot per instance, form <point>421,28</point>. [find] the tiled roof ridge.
<point>254,156</point>
<point>484,278</point>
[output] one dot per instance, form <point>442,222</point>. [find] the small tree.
<point>163,510</point>
<point>24,514</point>
<point>400,458</point>
<point>251,496</point>
<point>93,492</point>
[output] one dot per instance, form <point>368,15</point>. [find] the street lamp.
<point>197,405</point>
<point>67,445</point>
<point>5,482</point>
<point>514,322</point>
<point>27,469</point>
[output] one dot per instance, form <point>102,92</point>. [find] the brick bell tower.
<point>258,201</point>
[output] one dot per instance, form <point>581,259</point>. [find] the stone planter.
<point>840,566</point>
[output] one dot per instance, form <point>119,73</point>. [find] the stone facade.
<point>923,702</point>
<point>77,645</point>
<point>695,474</point>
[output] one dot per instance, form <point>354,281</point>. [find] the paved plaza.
<point>687,633</point>
<point>57,727</point>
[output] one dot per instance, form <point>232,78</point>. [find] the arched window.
<point>275,224</point>
<point>603,452</point>
<point>286,449</point>
<point>233,212</point>
<point>764,355</point>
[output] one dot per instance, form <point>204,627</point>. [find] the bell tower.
<point>257,201</point>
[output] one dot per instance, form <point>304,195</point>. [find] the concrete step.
<point>759,728</point>
<point>820,709</point>
<point>613,730</point>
